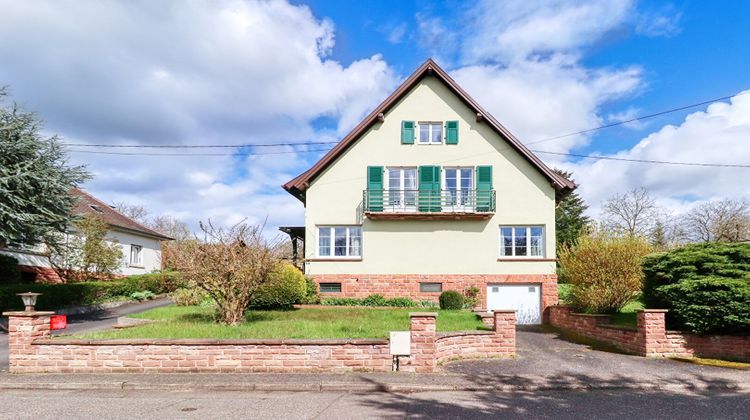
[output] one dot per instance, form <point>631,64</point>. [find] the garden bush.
<point>705,287</point>
<point>189,296</point>
<point>342,301</point>
<point>374,300</point>
<point>157,283</point>
<point>451,299</point>
<point>141,296</point>
<point>285,287</point>
<point>312,296</point>
<point>605,272</point>
<point>9,272</point>
<point>471,297</point>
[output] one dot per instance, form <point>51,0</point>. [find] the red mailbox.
<point>58,322</point>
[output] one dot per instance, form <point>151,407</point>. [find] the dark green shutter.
<point>429,188</point>
<point>374,188</point>
<point>407,132</point>
<point>484,188</point>
<point>451,132</point>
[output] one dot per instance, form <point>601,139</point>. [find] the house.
<point>431,193</point>
<point>141,246</point>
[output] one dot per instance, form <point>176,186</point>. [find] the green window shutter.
<point>451,132</point>
<point>484,188</point>
<point>429,188</point>
<point>407,132</point>
<point>374,194</point>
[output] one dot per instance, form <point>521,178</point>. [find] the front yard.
<point>334,322</point>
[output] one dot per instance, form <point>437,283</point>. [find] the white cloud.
<point>194,72</point>
<point>717,135</point>
<point>662,23</point>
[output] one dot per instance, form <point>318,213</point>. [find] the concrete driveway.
<point>545,354</point>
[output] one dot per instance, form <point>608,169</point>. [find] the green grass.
<point>334,322</point>
<point>626,316</point>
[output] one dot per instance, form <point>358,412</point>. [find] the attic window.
<point>96,208</point>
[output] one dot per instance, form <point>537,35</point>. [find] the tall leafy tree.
<point>35,178</point>
<point>570,219</point>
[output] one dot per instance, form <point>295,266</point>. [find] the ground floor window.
<point>330,287</point>
<point>136,255</point>
<point>430,287</point>
<point>340,241</point>
<point>521,241</point>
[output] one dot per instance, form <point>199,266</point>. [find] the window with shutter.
<point>484,188</point>
<point>407,132</point>
<point>451,132</point>
<point>374,194</point>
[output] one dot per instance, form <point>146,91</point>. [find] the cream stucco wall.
<point>524,197</point>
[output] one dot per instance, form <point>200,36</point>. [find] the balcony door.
<point>402,189</point>
<point>459,187</point>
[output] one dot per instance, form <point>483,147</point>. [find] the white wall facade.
<point>150,252</point>
<point>524,197</point>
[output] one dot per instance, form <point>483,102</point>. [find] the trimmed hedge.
<point>57,296</point>
<point>451,299</point>
<point>372,300</point>
<point>9,272</point>
<point>705,287</point>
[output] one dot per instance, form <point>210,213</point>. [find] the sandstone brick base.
<point>407,285</point>
<point>650,338</point>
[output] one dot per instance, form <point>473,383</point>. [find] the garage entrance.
<point>526,299</point>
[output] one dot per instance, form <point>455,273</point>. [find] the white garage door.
<point>526,299</point>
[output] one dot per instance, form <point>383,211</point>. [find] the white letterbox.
<point>400,343</point>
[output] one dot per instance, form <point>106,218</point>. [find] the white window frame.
<point>444,181</point>
<point>332,246</point>
<point>528,255</point>
<point>430,124</point>
<point>139,262</point>
<point>402,206</point>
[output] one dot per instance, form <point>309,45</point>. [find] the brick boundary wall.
<point>407,285</point>
<point>32,350</point>
<point>650,337</point>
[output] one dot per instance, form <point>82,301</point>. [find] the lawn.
<point>625,317</point>
<point>334,322</point>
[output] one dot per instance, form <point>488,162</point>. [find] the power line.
<point>198,154</point>
<point>662,162</point>
<point>656,114</point>
<point>202,146</point>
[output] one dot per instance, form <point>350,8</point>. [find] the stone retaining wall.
<point>650,337</point>
<point>32,350</point>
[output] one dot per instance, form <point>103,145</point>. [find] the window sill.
<point>516,259</point>
<point>324,259</point>
<point>136,266</point>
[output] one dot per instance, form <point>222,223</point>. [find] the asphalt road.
<point>89,322</point>
<point>334,405</point>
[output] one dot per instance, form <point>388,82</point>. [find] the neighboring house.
<point>430,193</point>
<point>141,246</point>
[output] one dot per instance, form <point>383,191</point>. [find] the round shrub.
<point>9,272</point>
<point>705,287</point>
<point>285,287</point>
<point>188,296</point>
<point>451,299</point>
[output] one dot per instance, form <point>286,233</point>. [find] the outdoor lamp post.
<point>29,299</point>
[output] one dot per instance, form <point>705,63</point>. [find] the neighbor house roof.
<point>87,204</point>
<point>298,185</point>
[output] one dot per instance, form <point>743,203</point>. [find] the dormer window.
<point>430,132</point>
<point>96,208</point>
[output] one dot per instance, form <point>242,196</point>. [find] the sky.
<point>245,72</point>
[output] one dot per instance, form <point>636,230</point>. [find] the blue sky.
<point>242,71</point>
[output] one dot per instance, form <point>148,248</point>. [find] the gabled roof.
<point>88,205</point>
<point>298,185</point>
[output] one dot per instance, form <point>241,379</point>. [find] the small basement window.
<point>330,287</point>
<point>430,287</point>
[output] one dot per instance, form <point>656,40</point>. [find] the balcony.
<point>396,204</point>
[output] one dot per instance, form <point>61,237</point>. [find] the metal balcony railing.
<point>429,201</point>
